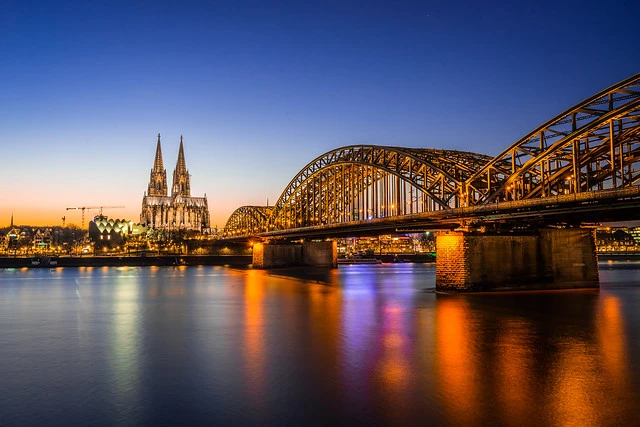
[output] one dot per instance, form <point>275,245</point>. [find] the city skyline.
<point>258,92</point>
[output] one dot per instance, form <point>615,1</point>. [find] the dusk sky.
<point>259,89</point>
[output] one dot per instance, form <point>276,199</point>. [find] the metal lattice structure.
<point>248,220</point>
<point>592,146</point>
<point>363,182</point>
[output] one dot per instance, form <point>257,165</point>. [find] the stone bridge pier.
<point>309,253</point>
<point>551,258</point>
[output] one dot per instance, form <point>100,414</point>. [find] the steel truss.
<point>362,182</point>
<point>592,146</point>
<point>248,220</point>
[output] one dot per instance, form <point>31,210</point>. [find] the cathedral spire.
<point>181,166</point>
<point>157,164</point>
<point>181,185</point>
<point>158,178</point>
<point>180,211</point>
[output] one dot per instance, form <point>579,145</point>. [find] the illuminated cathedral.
<point>179,211</point>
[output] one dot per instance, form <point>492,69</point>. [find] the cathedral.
<point>179,211</point>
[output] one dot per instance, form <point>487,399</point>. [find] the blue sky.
<point>259,89</point>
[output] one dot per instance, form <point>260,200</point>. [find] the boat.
<point>44,262</point>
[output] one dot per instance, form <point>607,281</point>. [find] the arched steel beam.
<point>565,149</point>
<point>247,220</point>
<point>437,173</point>
<point>587,173</point>
<point>487,183</point>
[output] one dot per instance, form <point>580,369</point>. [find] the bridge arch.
<point>362,182</point>
<point>592,145</point>
<point>247,220</point>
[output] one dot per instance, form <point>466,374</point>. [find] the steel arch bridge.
<point>249,220</point>
<point>590,149</point>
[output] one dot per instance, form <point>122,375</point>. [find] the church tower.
<point>158,179</point>
<point>181,186</point>
<point>179,211</point>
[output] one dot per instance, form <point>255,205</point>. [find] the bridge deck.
<point>605,205</point>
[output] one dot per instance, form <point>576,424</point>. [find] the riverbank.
<point>618,256</point>
<point>234,260</point>
<point>115,261</point>
<point>388,258</point>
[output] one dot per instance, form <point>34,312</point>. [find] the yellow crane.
<point>83,208</point>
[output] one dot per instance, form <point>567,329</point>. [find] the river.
<point>358,345</point>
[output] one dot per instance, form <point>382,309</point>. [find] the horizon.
<point>259,91</point>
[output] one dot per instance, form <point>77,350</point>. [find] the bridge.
<point>579,168</point>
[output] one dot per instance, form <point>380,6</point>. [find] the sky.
<point>260,89</point>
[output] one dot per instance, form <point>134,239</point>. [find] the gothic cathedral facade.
<point>179,211</point>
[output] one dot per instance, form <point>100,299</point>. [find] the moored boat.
<point>44,262</point>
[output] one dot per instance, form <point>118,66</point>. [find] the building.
<point>111,233</point>
<point>616,240</point>
<point>178,211</point>
<point>635,233</point>
<point>42,239</point>
<point>12,237</point>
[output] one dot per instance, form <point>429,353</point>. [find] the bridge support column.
<point>548,259</point>
<point>271,255</point>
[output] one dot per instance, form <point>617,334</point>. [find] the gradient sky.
<point>259,89</point>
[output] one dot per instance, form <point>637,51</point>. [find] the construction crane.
<point>83,208</point>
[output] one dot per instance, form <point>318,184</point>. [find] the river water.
<point>358,345</point>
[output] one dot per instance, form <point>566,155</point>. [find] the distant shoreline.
<point>618,256</point>
<point>231,260</point>
<point>135,261</point>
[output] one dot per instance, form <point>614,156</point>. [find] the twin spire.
<point>157,164</point>
<point>158,180</point>
<point>181,165</point>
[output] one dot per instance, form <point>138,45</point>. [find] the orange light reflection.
<point>455,361</point>
<point>254,334</point>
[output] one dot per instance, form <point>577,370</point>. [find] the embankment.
<point>109,261</point>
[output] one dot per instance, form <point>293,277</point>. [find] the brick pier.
<point>270,255</point>
<point>547,259</point>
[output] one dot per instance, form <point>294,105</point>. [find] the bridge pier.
<point>271,255</point>
<point>547,259</point>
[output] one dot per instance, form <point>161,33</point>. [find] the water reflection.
<point>125,345</point>
<point>456,372</point>
<point>508,359</point>
<point>514,369</point>
<point>393,367</point>
<point>500,360</point>
<point>612,337</point>
<point>613,345</point>
<point>254,336</point>
<point>366,345</point>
